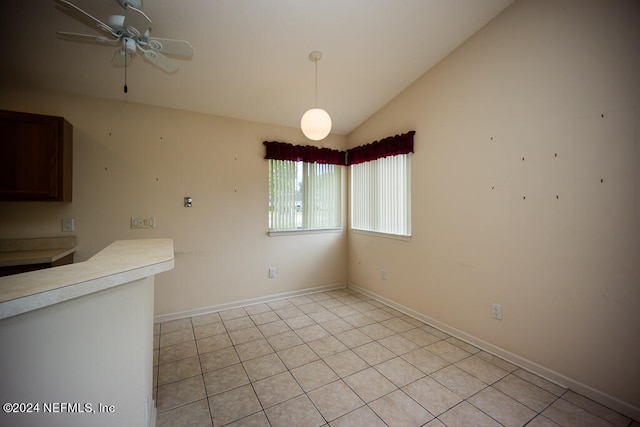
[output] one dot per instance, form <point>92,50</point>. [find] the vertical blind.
<point>304,195</point>
<point>381,195</point>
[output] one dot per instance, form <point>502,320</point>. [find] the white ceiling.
<point>251,56</point>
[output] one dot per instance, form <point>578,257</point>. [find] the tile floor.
<point>339,358</point>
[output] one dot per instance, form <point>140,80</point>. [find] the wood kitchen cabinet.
<point>36,155</point>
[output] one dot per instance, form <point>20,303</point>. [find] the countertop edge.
<point>125,270</point>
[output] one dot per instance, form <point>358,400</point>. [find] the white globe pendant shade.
<point>316,124</point>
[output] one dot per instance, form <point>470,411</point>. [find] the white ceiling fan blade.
<point>84,16</point>
<point>135,21</point>
<point>170,46</point>
<point>87,38</point>
<point>121,58</point>
<point>160,61</point>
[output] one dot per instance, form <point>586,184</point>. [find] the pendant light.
<point>315,123</point>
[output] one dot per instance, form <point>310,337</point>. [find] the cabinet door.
<point>35,160</point>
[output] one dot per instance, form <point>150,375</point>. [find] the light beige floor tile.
<point>180,393</point>
<point>156,329</point>
<point>336,326</point>
<point>311,307</point>
<point>178,370</point>
<point>435,331</point>
<point>311,333</point>
<point>203,319</point>
<point>346,363</point>
<point>424,360</point>
<point>233,405</point>
<point>176,337</point>
<point>245,335</point>
<point>313,375</point>
<point>481,369</point>
<point>298,411</point>
<point>463,345</point>
<point>297,356</point>
<point>209,329</point>
<point>335,400</point>
<point>262,318</point>
<point>363,306</point>
<point>398,409</point>
<point>361,417</point>
<point>175,325</point>
<point>567,414</point>
<point>276,389</point>
<point>433,396</point>
<point>273,328</point>
<point>458,381</point>
<point>285,340</point>
<point>374,353</point>
<point>289,312</point>
<point>397,325</point>
<point>524,392</point>
<point>156,341</point>
<point>319,296</point>
<point>299,321</point>
<point>156,356</point>
<point>218,359</point>
<point>322,315</point>
<point>420,337</point>
<point>343,311</point>
<point>502,408</point>
<point>597,409</point>
<point>177,352</point>
<point>280,305</point>
<point>376,331</point>
<point>195,414</point>
<point>238,323</point>
<point>301,300</point>
<point>330,303</point>
<point>379,315</point>
<point>225,379</point>
<point>465,415</point>
<point>258,419</point>
<point>213,343</point>
<point>253,349</point>
<point>257,309</point>
<point>448,351</point>
<point>541,421</point>
<point>359,320</point>
<point>233,313</point>
<point>499,362</point>
<point>399,371</point>
<point>398,344</point>
<point>327,346</point>
<point>540,382</point>
<point>353,338</point>
<point>409,319</point>
<point>369,384</point>
<point>434,423</point>
<point>264,367</point>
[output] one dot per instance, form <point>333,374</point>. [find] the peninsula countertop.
<point>121,262</point>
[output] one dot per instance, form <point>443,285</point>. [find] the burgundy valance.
<point>303,153</point>
<point>390,146</point>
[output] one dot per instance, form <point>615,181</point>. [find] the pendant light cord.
<point>316,104</point>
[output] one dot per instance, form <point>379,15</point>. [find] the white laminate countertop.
<point>121,262</point>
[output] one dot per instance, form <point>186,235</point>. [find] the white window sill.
<point>274,233</point>
<point>405,238</point>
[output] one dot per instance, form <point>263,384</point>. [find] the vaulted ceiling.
<point>251,56</point>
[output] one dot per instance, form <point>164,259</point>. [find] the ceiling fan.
<point>130,32</point>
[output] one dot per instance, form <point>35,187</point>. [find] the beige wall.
<point>132,160</point>
<point>546,77</point>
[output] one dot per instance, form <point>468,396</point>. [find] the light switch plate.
<point>68,225</point>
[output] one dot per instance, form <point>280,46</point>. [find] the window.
<point>305,187</point>
<point>381,185</point>
<point>303,195</point>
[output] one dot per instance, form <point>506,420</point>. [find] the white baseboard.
<point>244,303</point>
<point>609,401</point>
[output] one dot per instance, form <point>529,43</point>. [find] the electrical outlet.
<point>144,222</point>
<point>272,272</point>
<point>496,311</point>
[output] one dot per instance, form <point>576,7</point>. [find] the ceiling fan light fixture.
<point>316,122</point>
